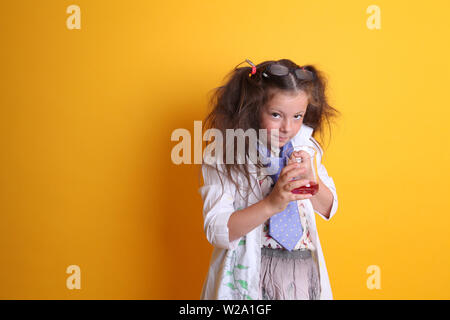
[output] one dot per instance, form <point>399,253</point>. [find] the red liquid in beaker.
<point>312,189</point>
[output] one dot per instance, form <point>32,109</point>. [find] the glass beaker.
<point>313,186</point>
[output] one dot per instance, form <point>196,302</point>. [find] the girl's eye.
<point>297,117</point>
<point>275,115</point>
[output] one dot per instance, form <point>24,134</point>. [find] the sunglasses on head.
<point>280,70</point>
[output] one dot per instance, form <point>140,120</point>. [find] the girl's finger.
<point>295,184</point>
<point>301,196</point>
<point>291,174</point>
<point>304,155</point>
<point>291,159</point>
<point>288,168</point>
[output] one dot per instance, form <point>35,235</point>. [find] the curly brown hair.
<point>237,105</point>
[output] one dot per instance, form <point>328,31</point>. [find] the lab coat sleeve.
<point>327,180</point>
<point>218,206</point>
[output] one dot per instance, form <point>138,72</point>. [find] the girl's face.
<point>285,113</point>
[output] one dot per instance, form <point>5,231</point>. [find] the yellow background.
<point>86,118</point>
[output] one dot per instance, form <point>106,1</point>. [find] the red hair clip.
<point>253,67</point>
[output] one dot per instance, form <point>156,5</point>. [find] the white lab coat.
<point>234,270</point>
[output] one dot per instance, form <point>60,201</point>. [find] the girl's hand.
<point>307,172</point>
<point>281,194</point>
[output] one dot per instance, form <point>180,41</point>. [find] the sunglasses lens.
<point>304,74</point>
<point>278,70</point>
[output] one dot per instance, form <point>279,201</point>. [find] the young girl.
<point>241,201</point>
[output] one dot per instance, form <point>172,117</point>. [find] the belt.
<point>279,253</point>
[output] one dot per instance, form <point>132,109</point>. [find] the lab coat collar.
<point>302,135</point>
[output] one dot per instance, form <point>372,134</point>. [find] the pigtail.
<point>319,110</point>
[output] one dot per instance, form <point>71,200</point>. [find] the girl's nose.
<point>286,126</point>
